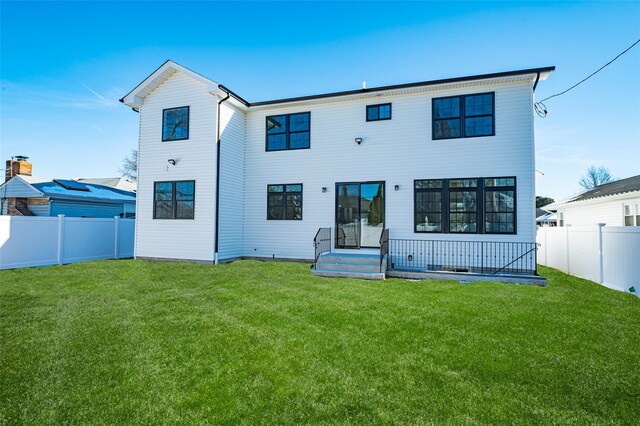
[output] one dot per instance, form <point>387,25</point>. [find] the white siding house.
<point>614,204</point>
<point>343,147</point>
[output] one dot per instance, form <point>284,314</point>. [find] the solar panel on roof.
<point>71,184</point>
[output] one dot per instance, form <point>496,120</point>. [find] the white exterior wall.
<point>232,122</point>
<point>195,160</point>
<point>607,210</point>
<point>396,151</point>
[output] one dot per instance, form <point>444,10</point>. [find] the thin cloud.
<point>98,95</point>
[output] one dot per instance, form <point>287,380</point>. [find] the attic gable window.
<point>175,124</point>
<point>288,131</point>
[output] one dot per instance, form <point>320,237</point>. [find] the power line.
<point>541,108</point>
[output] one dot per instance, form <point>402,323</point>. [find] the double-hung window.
<point>464,116</point>
<point>632,214</point>
<point>465,206</point>
<point>175,124</point>
<point>284,202</point>
<point>288,131</point>
<point>174,200</point>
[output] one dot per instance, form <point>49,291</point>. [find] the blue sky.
<point>65,65</point>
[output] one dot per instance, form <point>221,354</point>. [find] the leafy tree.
<point>595,177</point>
<point>543,201</point>
<point>129,168</point>
<point>376,208</point>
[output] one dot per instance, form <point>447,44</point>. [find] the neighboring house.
<point>448,161</point>
<point>615,204</point>
<point>115,182</point>
<point>26,195</point>
<point>545,218</point>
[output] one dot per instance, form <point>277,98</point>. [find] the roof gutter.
<point>536,83</point>
<point>234,95</point>
<point>218,151</point>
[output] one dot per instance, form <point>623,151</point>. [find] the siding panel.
<point>84,209</point>
<point>195,160</point>
<point>232,122</point>
<point>396,151</point>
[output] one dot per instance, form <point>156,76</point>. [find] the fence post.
<point>60,237</point>
<point>115,250</point>
<point>600,255</point>
<point>546,263</point>
<point>566,246</point>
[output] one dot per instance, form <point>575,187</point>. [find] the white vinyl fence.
<point>609,255</point>
<point>39,241</point>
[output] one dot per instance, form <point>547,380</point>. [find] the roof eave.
<point>135,98</point>
<point>544,73</point>
<point>72,198</point>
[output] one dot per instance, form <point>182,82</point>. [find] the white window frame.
<point>634,208</point>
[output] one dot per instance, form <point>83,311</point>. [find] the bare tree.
<point>595,177</point>
<point>129,168</point>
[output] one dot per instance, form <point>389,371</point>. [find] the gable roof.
<point>136,97</point>
<point>622,186</point>
<point>94,192</point>
<point>115,182</point>
<point>52,189</point>
<point>630,184</point>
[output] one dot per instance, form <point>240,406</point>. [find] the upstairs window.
<point>288,131</point>
<point>284,202</point>
<point>463,116</point>
<point>174,200</point>
<point>175,124</point>
<point>378,112</point>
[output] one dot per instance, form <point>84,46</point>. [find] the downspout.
<point>215,231</point>
<point>536,83</point>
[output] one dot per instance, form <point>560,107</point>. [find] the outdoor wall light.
<point>410,258</point>
<point>171,161</point>
<point>358,141</point>
<point>324,189</point>
<point>397,187</point>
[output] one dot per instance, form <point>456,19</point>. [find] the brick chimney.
<point>18,165</point>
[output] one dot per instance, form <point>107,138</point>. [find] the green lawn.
<point>251,342</point>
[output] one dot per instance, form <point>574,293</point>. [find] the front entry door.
<point>359,214</point>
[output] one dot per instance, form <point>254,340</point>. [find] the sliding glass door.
<point>359,214</point>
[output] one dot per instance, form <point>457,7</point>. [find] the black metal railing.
<point>384,247</point>
<point>463,256</point>
<point>321,243</point>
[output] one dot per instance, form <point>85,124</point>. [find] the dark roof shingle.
<point>618,187</point>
